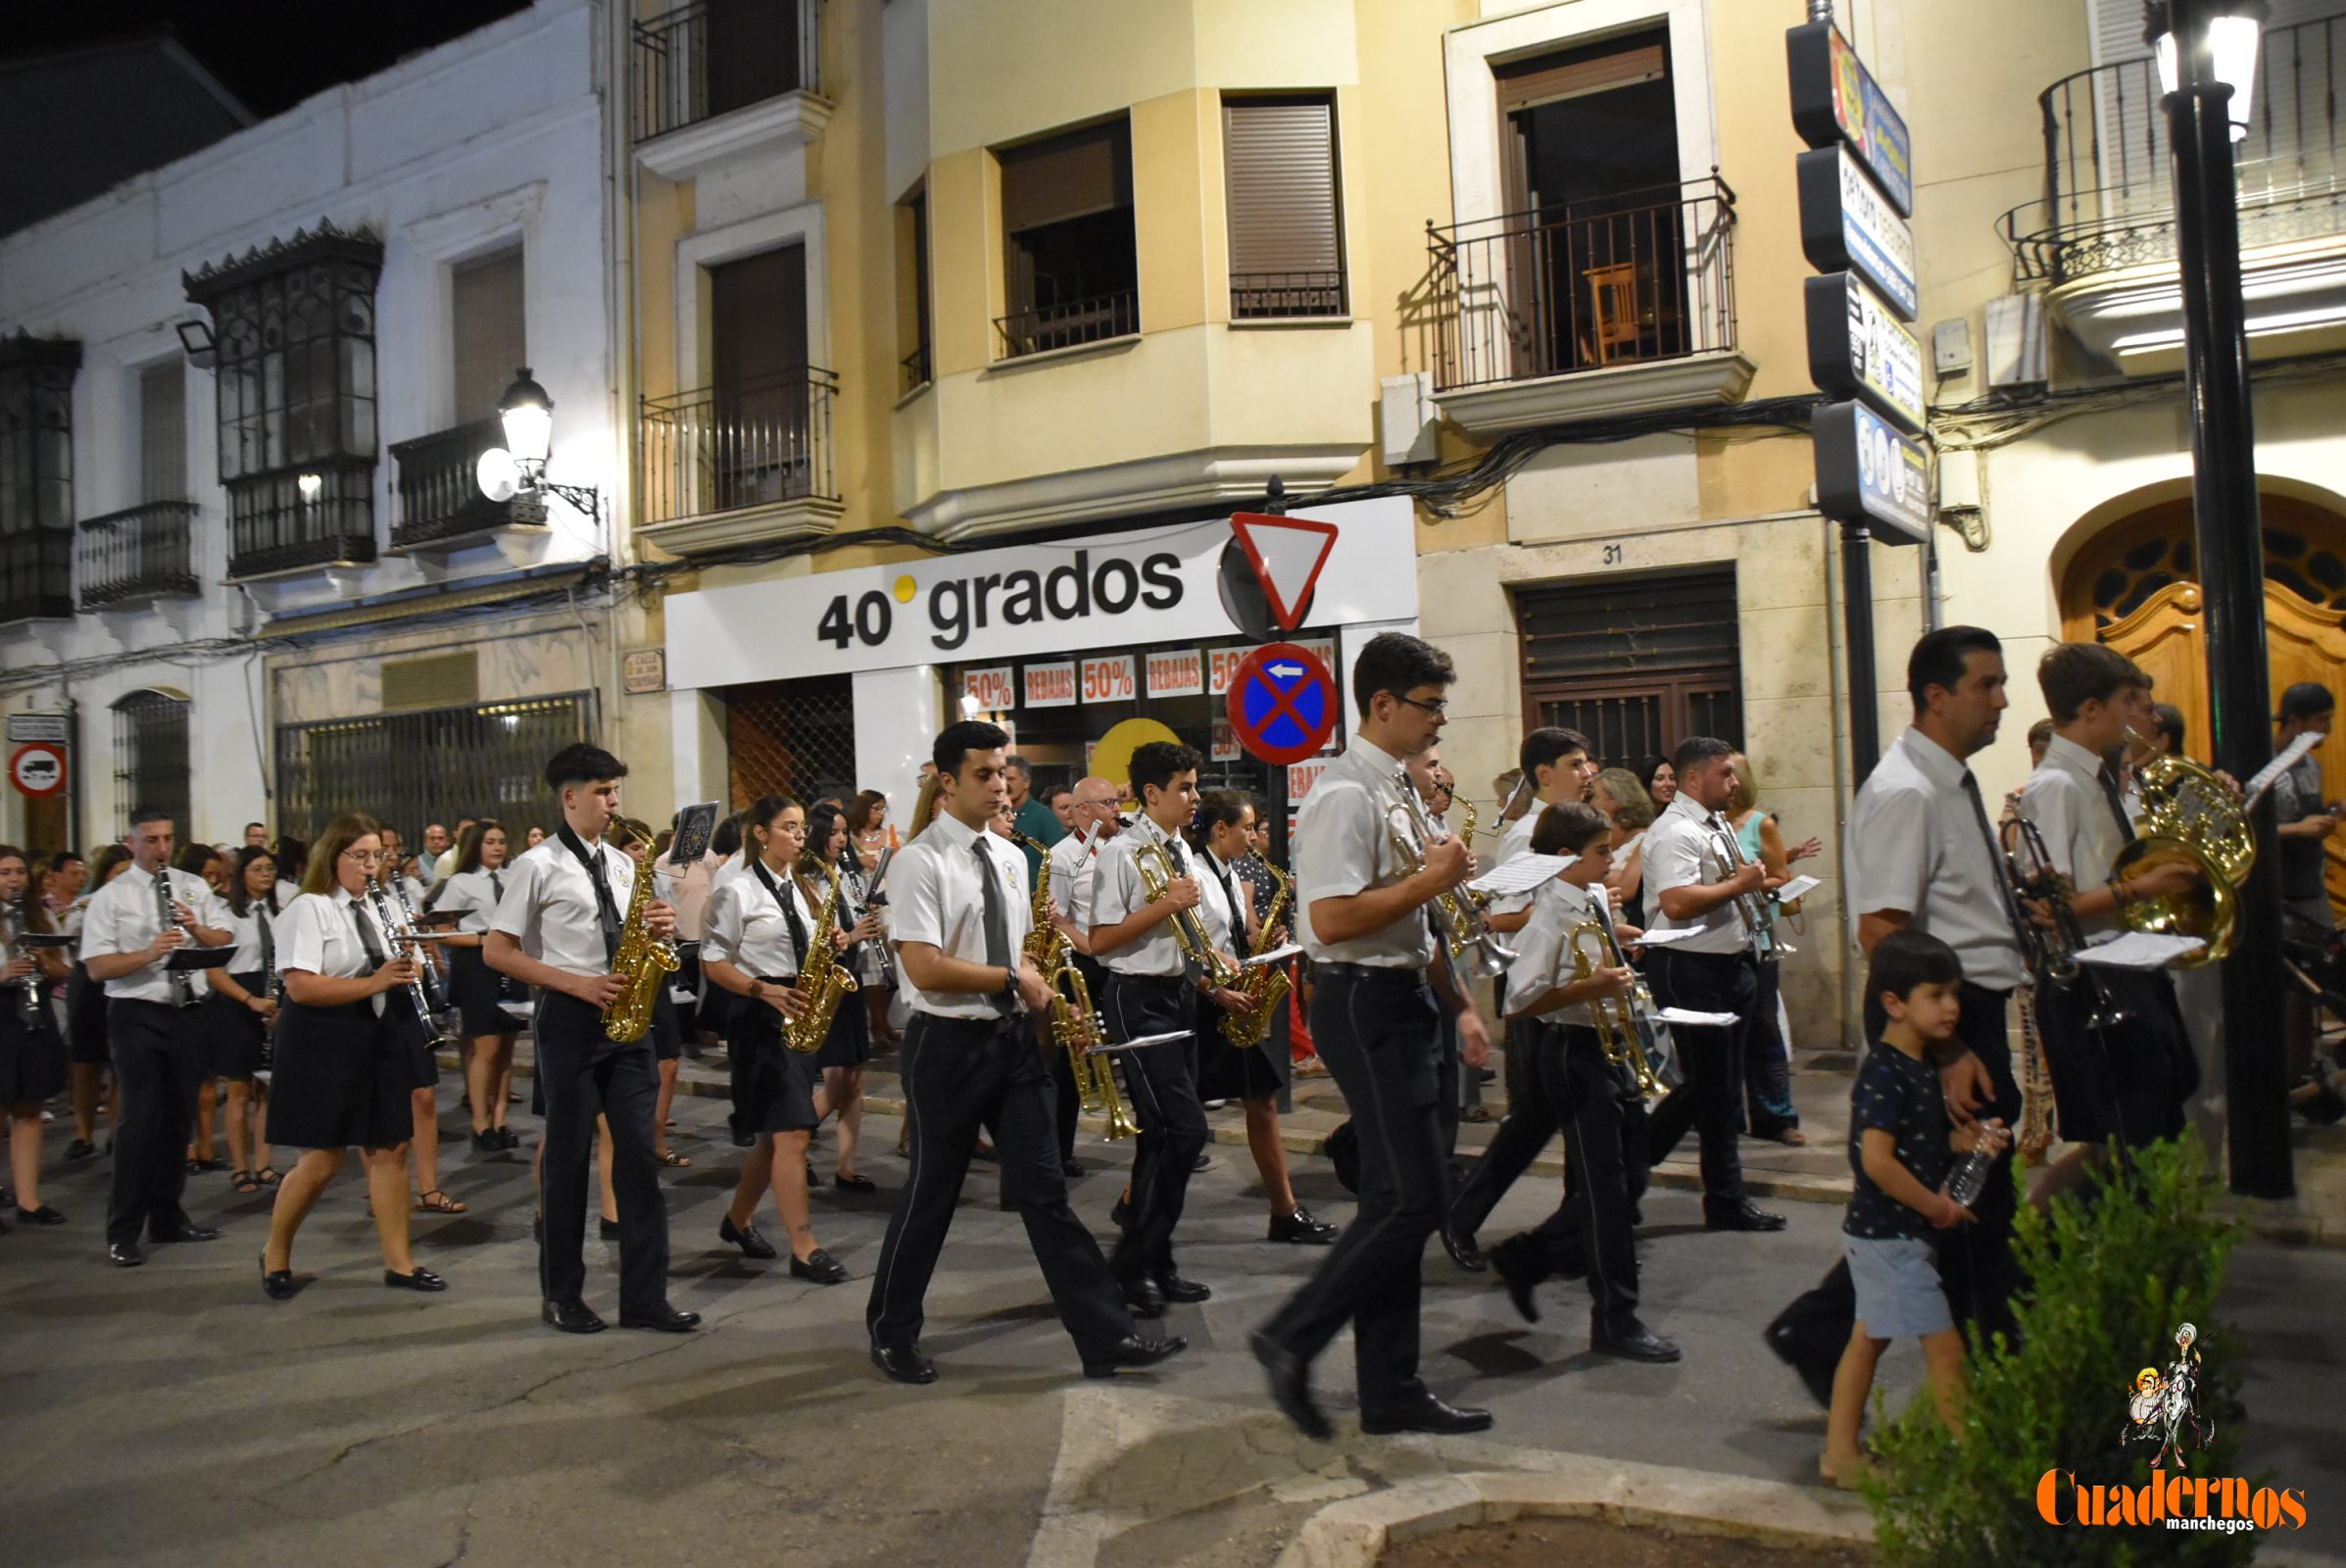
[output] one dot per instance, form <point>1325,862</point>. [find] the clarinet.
<point>28,989</point>
<point>182,988</point>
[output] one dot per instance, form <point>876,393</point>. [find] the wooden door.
<point>2136,588</point>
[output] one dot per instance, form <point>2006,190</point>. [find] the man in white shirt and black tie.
<point>557,928</point>
<point>1091,823</point>
<point>1700,883</point>
<point>161,1048</point>
<point>959,916</point>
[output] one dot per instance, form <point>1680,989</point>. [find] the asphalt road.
<point>173,1415</point>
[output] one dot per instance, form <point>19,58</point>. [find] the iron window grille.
<point>150,753</point>
<point>36,477</point>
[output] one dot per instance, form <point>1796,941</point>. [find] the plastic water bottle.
<point>1968,1179</point>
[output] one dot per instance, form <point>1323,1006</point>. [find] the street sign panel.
<point>37,768</point>
<point>55,728</point>
<point>1283,704</point>
<point>1287,555</point>
<point>1835,98</point>
<point>1872,473</point>
<point>1858,348</point>
<point>1847,224</point>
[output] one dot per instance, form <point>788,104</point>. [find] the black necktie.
<point>366,940</point>
<point>496,888</point>
<point>1238,911</point>
<point>268,941</point>
<point>789,910</point>
<point>606,910</point>
<point>1191,969</point>
<point>2116,796</point>
<point>997,917</point>
<point>1996,852</point>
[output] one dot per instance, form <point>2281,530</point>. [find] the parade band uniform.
<point>343,1074</point>
<point>2132,1085</point>
<point>1151,990</point>
<point>1236,1072</point>
<point>161,1052</point>
<point>848,1042</point>
<point>1565,1085</point>
<point>970,1061</point>
<point>562,914</point>
<point>1713,970</point>
<point>1376,1025</point>
<point>475,988</point>
<point>239,1035</point>
<point>1074,868</point>
<point>758,922</point>
<point>32,1051</point>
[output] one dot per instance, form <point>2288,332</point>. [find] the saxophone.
<point>1265,985</point>
<point>643,960</point>
<point>822,979</point>
<point>1075,1025</point>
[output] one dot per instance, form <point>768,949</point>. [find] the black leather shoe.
<point>1301,1230</point>
<point>1203,1162</point>
<point>1291,1386</point>
<point>1460,1244</point>
<point>181,1232</point>
<point>854,1184</point>
<point>608,1229</point>
<point>1143,1295</point>
<point>43,1215</point>
<point>664,1319</point>
<point>1522,1278</point>
<point>1071,1167</point>
<point>1744,1216</point>
<point>821,1267</point>
<point>487,1141</point>
<point>746,1238</point>
<point>1187,1291</point>
<point>573,1316</point>
<point>124,1255</point>
<point>904,1363</point>
<point>1429,1414</point>
<point>276,1284</point>
<point>1121,1215</point>
<point>1637,1343</point>
<point>1133,1351</point>
<point>507,1137</point>
<point>423,1278</point>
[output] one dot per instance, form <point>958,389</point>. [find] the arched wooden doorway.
<point>2136,587</point>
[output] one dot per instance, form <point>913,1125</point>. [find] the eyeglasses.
<point>1439,708</point>
<point>364,856</point>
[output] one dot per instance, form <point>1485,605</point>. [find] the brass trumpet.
<point>1075,1024</point>
<point>1465,928</point>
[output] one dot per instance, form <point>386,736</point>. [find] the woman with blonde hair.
<point>1628,811</point>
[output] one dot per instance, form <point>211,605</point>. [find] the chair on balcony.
<point>1614,328</point>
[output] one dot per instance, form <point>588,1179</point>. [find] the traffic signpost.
<point>1283,704</point>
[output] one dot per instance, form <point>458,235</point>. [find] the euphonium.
<point>822,979</point>
<point>1158,872</point>
<point>1075,1026</point>
<point>643,960</point>
<point>2189,818</point>
<point>1265,985</point>
<point>1466,930</point>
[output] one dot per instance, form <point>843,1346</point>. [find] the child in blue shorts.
<point>1900,1149</point>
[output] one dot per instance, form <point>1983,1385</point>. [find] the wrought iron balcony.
<point>756,443</point>
<point>1265,296</point>
<point>2108,201</point>
<point>292,520</point>
<point>435,496</point>
<point>912,372</point>
<point>1644,275</point>
<point>710,57</point>
<point>37,574</point>
<point>1066,325</point>
<point>137,556</point>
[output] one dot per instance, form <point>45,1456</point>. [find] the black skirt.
<point>848,1044</point>
<point>238,1033</point>
<point>773,1086</point>
<point>1253,1072</point>
<point>341,1078</point>
<point>85,1018</point>
<point>476,989</point>
<point>33,1055</point>
<point>668,1029</point>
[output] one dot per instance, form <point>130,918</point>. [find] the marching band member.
<point>667,1026</point>
<point>153,1021</point>
<point>848,1044</point>
<point>468,896</point>
<point>1091,822</point>
<point>32,1052</point>
<point>557,929</point>
<point>1567,1085</point>
<point>754,945</point>
<point>408,1025</point>
<point>1361,912</point>
<point>1256,1073</point>
<point>1153,986</point>
<point>1698,882</point>
<point>91,1065</point>
<point>243,995</point>
<point>961,917</point>
<point>343,1072</point>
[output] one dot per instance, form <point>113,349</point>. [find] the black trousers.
<point>1376,1030</point>
<point>960,1076</point>
<point>1447,1073</point>
<point>1567,1087</point>
<point>160,1056</point>
<point>585,1073</point>
<point>1709,1097</point>
<point>1975,1261</point>
<point>2129,1081</point>
<point>1164,1098</point>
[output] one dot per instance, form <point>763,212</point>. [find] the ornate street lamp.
<point>2227,44</point>
<point>519,465</point>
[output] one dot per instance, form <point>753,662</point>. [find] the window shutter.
<point>1281,155</point>
<point>490,342</point>
<point>1551,77</point>
<point>1071,176</point>
<point>162,431</point>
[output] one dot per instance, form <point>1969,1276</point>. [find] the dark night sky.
<point>270,53</point>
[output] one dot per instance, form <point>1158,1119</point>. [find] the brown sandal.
<point>269,1176</point>
<point>668,1157</point>
<point>437,1202</point>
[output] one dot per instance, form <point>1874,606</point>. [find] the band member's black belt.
<point>1372,974</point>
<point>1009,1023</point>
<point>1740,955</point>
<point>775,979</point>
<point>1152,982</point>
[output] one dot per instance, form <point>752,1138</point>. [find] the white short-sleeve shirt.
<point>548,905</point>
<point>471,897</point>
<point>744,925</point>
<point>1916,846</point>
<point>1684,849</point>
<point>1342,845</point>
<point>2082,834</point>
<point>1543,957</point>
<point>124,916</point>
<point>1117,893</point>
<point>315,935</point>
<point>934,896</point>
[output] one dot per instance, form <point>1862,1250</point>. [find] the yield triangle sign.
<point>1287,553</point>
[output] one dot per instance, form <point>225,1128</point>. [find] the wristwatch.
<point>1009,981</point>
